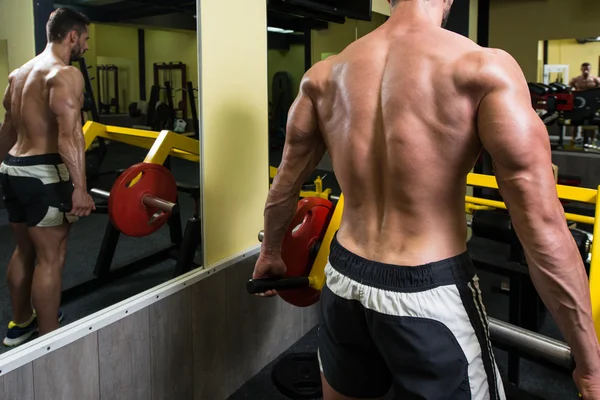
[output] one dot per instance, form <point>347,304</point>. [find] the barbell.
<point>305,251</point>
<point>141,200</point>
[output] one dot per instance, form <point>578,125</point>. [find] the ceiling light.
<point>278,30</point>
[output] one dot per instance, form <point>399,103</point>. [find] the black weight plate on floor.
<point>298,376</point>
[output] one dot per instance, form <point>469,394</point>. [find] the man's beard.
<point>446,17</point>
<point>76,53</point>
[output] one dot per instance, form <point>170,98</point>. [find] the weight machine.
<point>106,74</point>
<point>183,245</point>
<point>557,104</point>
<point>164,79</point>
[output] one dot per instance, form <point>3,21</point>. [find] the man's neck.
<point>60,51</point>
<point>416,12</point>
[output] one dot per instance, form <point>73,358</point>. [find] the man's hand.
<point>589,386</point>
<point>82,203</point>
<point>269,266</point>
<point>66,99</point>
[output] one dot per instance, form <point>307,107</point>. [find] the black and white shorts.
<point>421,330</point>
<point>34,187</point>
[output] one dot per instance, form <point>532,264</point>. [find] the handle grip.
<point>255,286</point>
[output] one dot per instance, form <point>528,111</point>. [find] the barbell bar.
<point>141,200</point>
<point>532,343</point>
<point>147,200</point>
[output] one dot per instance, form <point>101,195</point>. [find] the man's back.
<point>397,110</point>
<point>404,113</point>
<point>30,107</point>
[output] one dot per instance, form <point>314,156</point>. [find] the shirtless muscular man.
<point>586,80</point>
<point>42,150</point>
<point>404,113</point>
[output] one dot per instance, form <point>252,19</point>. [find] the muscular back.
<point>31,106</point>
<point>397,112</point>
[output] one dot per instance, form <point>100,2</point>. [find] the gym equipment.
<point>141,200</point>
<point>309,189</point>
<point>165,80</point>
<point>139,209</point>
<point>300,247</point>
<point>516,339</point>
<point>182,245</point>
<point>567,108</point>
<point>496,225</point>
<point>298,376</point>
<point>105,74</point>
<point>191,90</point>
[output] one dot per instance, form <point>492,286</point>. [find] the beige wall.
<point>16,18</point>
<point>234,124</point>
<point>381,7</point>
<point>512,27</point>
<point>339,36</point>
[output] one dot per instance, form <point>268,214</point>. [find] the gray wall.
<point>203,342</point>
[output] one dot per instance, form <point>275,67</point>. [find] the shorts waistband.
<point>449,271</point>
<point>39,159</point>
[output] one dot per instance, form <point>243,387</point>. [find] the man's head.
<point>586,69</point>
<point>69,28</point>
<point>446,4</point>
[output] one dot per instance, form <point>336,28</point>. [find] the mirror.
<point>571,67</point>
<point>141,78</point>
<point>295,44</point>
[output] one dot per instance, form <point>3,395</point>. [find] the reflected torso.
<point>31,115</point>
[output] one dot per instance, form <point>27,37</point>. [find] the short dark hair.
<point>62,21</point>
<point>586,64</point>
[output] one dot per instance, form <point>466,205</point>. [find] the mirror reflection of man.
<point>586,80</point>
<point>42,155</point>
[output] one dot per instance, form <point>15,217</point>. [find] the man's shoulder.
<point>490,68</point>
<point>64,74</point>
<point>317,75</point>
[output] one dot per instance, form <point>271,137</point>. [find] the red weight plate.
<point>125,208</point>
<point>306,230</point>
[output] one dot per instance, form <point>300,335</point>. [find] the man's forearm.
<point>558,273</point>
<point>71,148</point>
<point>279,212</point>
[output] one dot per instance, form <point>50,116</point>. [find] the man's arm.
<point>66,91</point>
<point>518,143</point>
<point>304,148</point>
<point>8,133</point>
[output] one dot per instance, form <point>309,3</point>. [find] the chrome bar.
<point>539,346</point>
<point>163,205</point>
<point>100,193</point>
